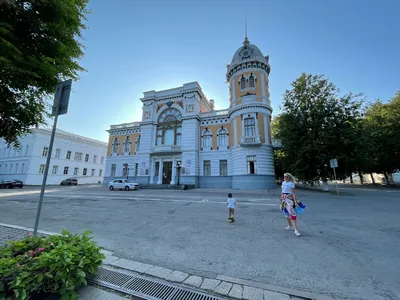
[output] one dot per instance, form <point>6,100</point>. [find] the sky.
<point>133,46</point>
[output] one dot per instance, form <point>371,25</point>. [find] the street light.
<point>178,170</point>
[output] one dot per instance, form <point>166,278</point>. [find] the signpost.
<point>334,164</point>
<point>60,107</point>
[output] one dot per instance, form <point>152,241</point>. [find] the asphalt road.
<point>349,246</point>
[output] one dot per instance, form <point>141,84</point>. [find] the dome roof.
<point>246,52</point>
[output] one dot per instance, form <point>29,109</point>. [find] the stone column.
<point>152,170</point>
<point>173,172</point>
<point>160,170</point>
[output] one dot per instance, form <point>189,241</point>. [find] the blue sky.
<point>138,45</point>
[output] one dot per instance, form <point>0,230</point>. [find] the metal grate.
<point>150,288</point>
<point>144,287</point>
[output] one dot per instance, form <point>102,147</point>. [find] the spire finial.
<point>246,39</point>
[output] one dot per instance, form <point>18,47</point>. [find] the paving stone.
<point>109,259</point>
<point>177,276</point>
<point>223,288</point>
<point>210,284</point>
<point>159,272</point>
<point>236,291</point>
<point>250,293</point>
<point>268,295</point>
<point>131,265</point>
<point>194,281</point>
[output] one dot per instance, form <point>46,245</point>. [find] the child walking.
<point>231,208</point>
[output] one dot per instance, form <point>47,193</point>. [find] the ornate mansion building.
<point>181,133</point>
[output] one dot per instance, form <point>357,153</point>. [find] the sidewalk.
<point>234,288</point>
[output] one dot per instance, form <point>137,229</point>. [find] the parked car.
<point>18,183</point>
<point>122,184</point>
<point>69,181</point>
<point>7,184</point>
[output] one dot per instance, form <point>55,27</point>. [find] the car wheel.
<point>127,188</point>
<point>20,187</point>
<point>76,184</point>
<point>111,188</point>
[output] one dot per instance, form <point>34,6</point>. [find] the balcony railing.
<point>250,140</point>
<point>214,113</point>
<point>166,149</point>
<point>125,125</point>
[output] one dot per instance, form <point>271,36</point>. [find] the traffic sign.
<point>61,99</point>
<point>333,163</point>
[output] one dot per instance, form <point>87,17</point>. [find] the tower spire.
<point>246,39</point>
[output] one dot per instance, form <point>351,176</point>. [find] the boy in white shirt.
<point>231,208</point>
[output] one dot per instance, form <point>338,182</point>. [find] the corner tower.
<point>250,115</point>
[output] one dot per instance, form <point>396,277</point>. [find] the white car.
<point>122,184</point>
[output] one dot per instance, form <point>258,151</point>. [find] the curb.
<point>223,285</point>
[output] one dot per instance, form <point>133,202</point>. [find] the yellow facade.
<point>236,81</point>
<point>121,140</point>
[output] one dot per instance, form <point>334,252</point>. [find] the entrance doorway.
<point>167,172</point>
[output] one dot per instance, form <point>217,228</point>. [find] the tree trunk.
<point>386,177</point>
<point>372,177</point>
<point>325,186</point>
<point>351,178</point>
<point>361,177</point>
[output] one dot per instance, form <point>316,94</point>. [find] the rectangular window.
<point>223,167</point>
<point>251,164</point>
<point>5,169</point>
<point>125,170</point>
<point>156,168</point>
<point>76,170</point>
<point>45,151</point>
<point>113,168</point>
<point>26,150</point>
<point>55,169</point>
<point>41,169</point>
<point>207,168</point>
<point>68,156</point>
<point>92,174</point>
<point>78,156</point>
<point>58,152</point>
<point>94,159</point>
<point>22,167</point>
<point>84,172</point>
<point>1,169</point>
<point>11,168</point>
<point>16,168</point>
<point>102,159</point>
<point>65,170</point>
<point>100,172</point>
<point>87,157</point>
<point>136,169</point>
<point>249,127</point>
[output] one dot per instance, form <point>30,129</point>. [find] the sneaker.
<point>288,227</point>
<point>297,233</point>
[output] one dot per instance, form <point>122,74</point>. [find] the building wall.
<point>35,160</point>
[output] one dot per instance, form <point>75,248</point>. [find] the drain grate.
<point>146,288</point>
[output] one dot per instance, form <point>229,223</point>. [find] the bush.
<point>57,264</point>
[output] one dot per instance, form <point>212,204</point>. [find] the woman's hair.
<point>291,177</point>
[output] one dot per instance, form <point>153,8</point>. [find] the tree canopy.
<point>317,125</point>
<point>39,46</point>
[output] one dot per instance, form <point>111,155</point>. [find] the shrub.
<point>57,264</point>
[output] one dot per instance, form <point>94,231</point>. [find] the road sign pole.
<point>46,170</point>
<point>337,188</point>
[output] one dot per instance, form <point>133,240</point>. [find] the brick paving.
<point>8,234</point>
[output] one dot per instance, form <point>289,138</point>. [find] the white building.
<point>73,156</point>
<point>230,148</point>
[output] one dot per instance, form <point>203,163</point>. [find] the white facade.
<point>73,156</point>
<point>229,148</point>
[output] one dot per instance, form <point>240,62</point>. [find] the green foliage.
<point>39,46</point>
<point>317,125</point>
<point>54,264</point>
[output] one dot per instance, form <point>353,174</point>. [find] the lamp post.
<point>178,170</point>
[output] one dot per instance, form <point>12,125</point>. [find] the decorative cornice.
<point>253,64</point>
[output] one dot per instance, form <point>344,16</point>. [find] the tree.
<point>382,127</point>
<point>39,46</point>
<point>317,125</point>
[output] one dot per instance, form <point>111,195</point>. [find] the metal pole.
<point>46,170</point>
<point>337,189</point>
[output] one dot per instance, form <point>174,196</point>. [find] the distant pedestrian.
<point>288,202</point>
<point>231,208</point>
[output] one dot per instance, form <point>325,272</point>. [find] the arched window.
<point>207,136</point>
<point>138,143</point>
<point>222,137</point>
<point>169,129</point>
<point>251,81</point>
<point>127,145</point>
<point>115,145</point>
<point>242,83</point>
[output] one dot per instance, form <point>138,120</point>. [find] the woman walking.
<point>288,202</point>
